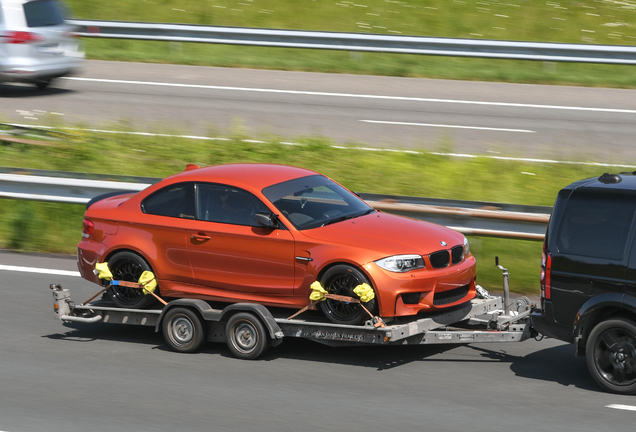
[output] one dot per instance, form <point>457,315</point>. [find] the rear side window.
<point>596,224</point>
<point>43,13</point>
<point>174,201</point>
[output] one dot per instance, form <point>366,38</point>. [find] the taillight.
<point>546,265</point>
<point>87,230</point>
<point>21,37</point>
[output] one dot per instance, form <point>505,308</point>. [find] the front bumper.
<point>406,294</point>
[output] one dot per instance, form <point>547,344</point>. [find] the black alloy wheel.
<point>611,355</point>
<point>128,266</point>
<point>341,280</point>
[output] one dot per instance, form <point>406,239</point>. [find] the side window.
<point>227,204</point>
<point>596,224</point>
<point>174,201</point>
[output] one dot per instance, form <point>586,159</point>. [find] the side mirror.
<point>266,220</point>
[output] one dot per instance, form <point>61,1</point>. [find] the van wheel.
<point>246,335</point>
<point>128,266</point>
<point>611,355</point>
<point>183,330</point>
<point>342,279</point>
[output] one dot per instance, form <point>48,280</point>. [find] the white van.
<point>36,44</point>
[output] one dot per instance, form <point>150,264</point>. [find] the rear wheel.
<point>128,266</point>
<point>341,280</point>
<point>246,335</point>
<point>43,83</point>
<point>611,355</point>
<point>183,330</point>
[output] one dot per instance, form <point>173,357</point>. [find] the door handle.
<point>200,237</point>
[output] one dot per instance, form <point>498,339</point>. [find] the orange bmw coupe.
<point>264,233</point>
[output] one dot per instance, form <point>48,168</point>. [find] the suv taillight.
<point>21,37</point>
<point>546,265</point>
<point>87,230</point>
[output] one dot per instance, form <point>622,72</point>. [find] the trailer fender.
<point>210,314</point>
<point>275,332</point>
<point>205,310</point>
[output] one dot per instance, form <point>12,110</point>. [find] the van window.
<point>596,224</point>
<point>43,13</point>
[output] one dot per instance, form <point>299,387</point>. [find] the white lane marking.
<point>448,126</point>
<point>39,270</point>
<point>360,96</point>
<point>621,407</point>
<point>375,149</point>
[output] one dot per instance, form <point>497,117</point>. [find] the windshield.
<point>315,201</point>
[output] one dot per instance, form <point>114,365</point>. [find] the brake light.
<point>546,266</point>
<point>22,37</point>
<point>87,230</point>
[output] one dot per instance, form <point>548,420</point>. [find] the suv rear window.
<point>43,13</point>
<point>596,224</point>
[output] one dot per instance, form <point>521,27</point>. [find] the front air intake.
<point>451,296</point>
<point>439,259</point>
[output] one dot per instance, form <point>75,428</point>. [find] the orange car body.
<point>228,262</point>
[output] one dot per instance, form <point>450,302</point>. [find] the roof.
<point>249,175</point>
<point>627,182</point>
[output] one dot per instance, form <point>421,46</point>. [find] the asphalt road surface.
<point>103,377</point>
<point>554,122</point>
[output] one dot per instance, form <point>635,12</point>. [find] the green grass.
<point>47,227</point>
<point>598,22</point>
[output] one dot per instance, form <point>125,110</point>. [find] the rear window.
<point>596,224</point>
<point>173,201</point>
<point>43,13</point>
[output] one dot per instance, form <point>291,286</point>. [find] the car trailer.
<point>250,329</point>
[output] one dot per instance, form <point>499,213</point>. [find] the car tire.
<point>43,83</point>
<point>128,266</point>
<point>610,354</point>
<point>246,336</point>
<point>342,279</point>
<point>183,330</point>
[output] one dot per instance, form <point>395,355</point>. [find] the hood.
<point>388,234</point>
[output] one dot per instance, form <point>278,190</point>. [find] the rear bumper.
<point>89,253</point>
<point>543,322</point>
<point>30,71</point>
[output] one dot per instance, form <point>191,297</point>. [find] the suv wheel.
<point>611,355</point>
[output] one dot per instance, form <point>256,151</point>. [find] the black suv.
<point>588,277</point>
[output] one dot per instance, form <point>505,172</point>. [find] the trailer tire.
<point>610,354</point>
<point>183,330</point>
<point>128,266</point>
<point>246,335</point>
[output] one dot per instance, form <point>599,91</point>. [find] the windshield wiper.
<point>346,217</point>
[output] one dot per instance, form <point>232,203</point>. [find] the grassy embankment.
<point>50,227</point>
<point>598,22</point>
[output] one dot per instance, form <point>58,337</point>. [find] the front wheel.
<point>246,335</point>
<point>341,280</point>
<point>610,354</point>
<point>183,330</point>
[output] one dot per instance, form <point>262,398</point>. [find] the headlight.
<point>401,263</point>
<point>466,246</point>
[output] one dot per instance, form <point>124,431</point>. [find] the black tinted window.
<point>226,204</point>
<point>596,224</point>
<point>42,13</point>
<point>175,201</point>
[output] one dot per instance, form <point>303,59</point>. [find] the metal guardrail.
<point>542,51</point>
<point>469,217</point>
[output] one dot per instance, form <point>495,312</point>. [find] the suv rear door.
<point>591,248</point>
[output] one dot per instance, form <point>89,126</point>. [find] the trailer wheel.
<point>183,330</point>
<point>246,336</point>
<point>611,355</point>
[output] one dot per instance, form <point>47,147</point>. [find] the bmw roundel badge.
<point>443,243</point>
